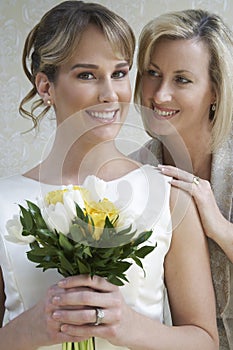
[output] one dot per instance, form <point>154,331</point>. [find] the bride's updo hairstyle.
<point>52,42</point>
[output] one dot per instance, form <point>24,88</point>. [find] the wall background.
<point>19,152</point>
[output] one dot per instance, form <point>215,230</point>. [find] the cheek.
<point>147,88</point>
<point>125,93</point>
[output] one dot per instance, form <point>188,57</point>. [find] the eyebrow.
<point>94,66</point>
<point>177,71</point>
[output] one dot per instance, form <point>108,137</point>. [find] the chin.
<point>106,133</point>
<point>159,128</point>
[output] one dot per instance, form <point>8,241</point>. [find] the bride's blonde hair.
<point>54,39</point>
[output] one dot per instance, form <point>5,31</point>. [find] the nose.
<point>162,93</point>
<point>107,92</point>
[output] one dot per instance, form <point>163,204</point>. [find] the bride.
<point>80,55</point>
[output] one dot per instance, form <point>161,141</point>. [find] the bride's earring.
<point>49,103</point>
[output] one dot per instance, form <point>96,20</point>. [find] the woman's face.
<point>95,82</point>
<point>176,88</point>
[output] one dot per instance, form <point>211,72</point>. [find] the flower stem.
<point>88,344</point>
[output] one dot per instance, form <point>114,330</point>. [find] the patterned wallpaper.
<point>18,150</point>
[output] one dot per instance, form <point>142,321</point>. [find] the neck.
<point>71,162</point>
<point>192,155</point>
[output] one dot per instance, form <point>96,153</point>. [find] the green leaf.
<point>34,245</point>
<point>33,208</point>
<point>65,243</point>
<point>65,264</point>
<point>138,261</point>
<point>80,213</point>
<point>48,265</point>
<point>108,223</point>
<point>37,258</point>
<point>143,251</point>
<point>40,223</point>
<point>100,265</point>
<point>120,266</point>
<point>77,233</point>
<point>87,251</point>
<point>123,239</point>
<point>44,251</point>
<point>26,219</point>
<point>83,268</point>
<point>115,280</point>
<point>46,236</point>
<point>125,231</point>
<point>142,237</point>
<point>27,233</point>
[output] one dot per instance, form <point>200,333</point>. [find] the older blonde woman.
<point>185,80</point>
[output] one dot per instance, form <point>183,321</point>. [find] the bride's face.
<point>95,82</point>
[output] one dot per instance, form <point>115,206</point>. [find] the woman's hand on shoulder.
<point>214,224</point>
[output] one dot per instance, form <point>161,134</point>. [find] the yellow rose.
<point>54,197</point>
<point>98,211</point>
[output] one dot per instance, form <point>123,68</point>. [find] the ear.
<point>213,99</point>
<point>43,86</point>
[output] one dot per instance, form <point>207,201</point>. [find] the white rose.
<point>96,188</point>
<point>70,198</point>
<point>15,229</point>
<point>57,218</point>
<point>125,220</point>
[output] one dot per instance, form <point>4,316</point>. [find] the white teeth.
<point>102,115</point>
<point>164,113</point>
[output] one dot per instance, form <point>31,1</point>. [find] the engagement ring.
<point>99,316</point>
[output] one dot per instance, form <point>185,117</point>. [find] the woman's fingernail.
<point>57,315</point>
<point>56,300</point>
<point>64,328</point>
<point>62,283</point>
<point>161,167</point>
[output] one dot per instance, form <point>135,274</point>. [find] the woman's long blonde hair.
<point>211,30</point>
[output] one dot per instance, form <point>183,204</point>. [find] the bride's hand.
<point>37,324</point>
<point>215,225</point>
<point>92,307</point>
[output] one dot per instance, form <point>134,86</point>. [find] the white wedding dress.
<point>145,192</point>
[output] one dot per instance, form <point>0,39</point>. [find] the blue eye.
<point>119,74</point>
<point>182,80</point>
<point>86,76</point>
<point>153,73</point>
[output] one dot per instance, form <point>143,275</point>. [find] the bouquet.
<point>69,231</point>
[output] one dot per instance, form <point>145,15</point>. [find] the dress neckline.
<point>130,173</point>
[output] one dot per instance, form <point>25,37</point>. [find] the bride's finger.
<point>80,299</point>
<point>90,316</point>
<point>95,282</point>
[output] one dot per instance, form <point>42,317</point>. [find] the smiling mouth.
<point>105,116</point>
<point>163,113</point>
